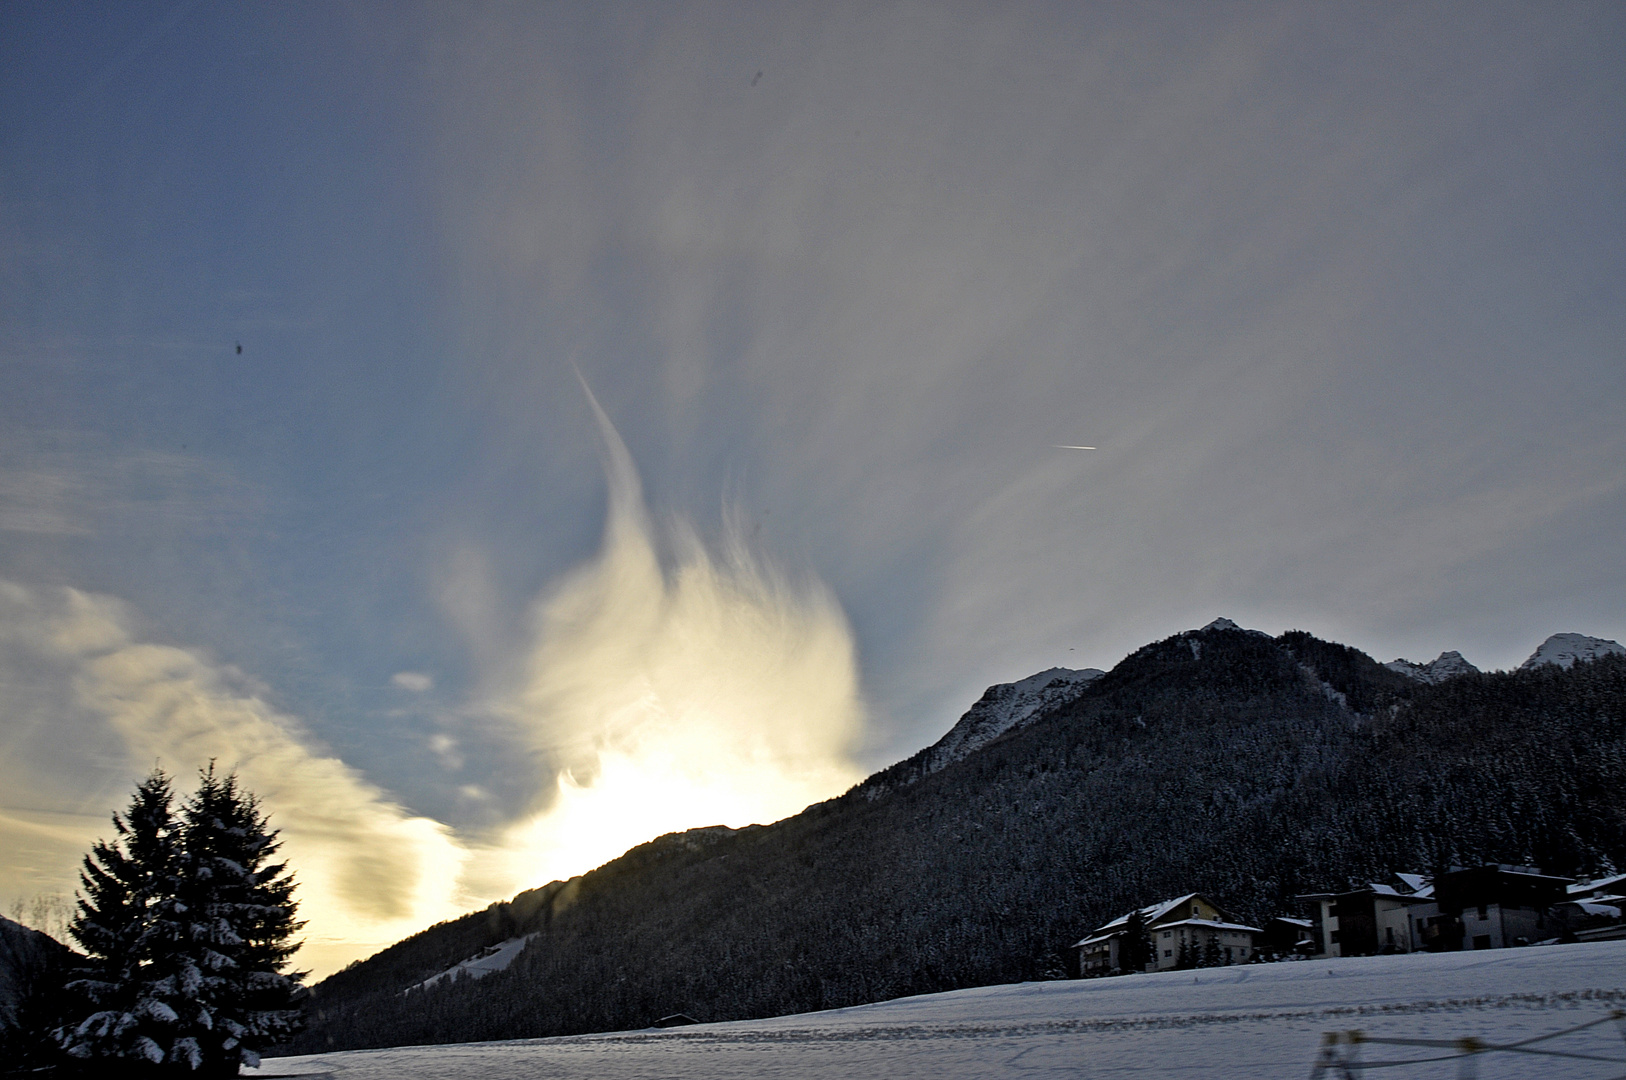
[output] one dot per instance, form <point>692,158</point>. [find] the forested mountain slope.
<point>1222,761</point>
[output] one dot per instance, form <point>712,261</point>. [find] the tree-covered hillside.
<point>1222,761</point>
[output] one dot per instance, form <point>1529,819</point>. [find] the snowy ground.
<point>1257,1022</point>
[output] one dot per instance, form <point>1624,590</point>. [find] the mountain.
<point>33,968</point>
<point>1002,707</point>
<point>1445,666</point>
<point>1224,761</point>
<point>1565,649</point>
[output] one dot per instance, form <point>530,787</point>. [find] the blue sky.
<point>1336,291</point>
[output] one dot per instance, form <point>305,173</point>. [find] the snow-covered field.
<point>1255,1022</point>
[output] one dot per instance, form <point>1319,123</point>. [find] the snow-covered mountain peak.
<point>1439,669</point>
<point>1565,649</point>
<point>1008,706</point>
<point>1227,624</point>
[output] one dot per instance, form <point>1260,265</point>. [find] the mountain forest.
<point>1224,761</point>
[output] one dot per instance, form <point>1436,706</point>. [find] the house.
<point>1593,910</point>
<point>1187,931</point>
<point>1285,938</point>
<point>1384,917</point>
<point>1495,907</point>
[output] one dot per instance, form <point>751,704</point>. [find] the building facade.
<point>1188,931</point>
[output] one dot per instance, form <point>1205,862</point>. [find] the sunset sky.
<point>650,415</point>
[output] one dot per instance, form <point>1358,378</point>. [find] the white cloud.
<point>370,871</point>
<point>415,681</point>
<point>713,692</point>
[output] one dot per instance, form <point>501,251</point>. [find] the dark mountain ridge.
<point>1224,761</point>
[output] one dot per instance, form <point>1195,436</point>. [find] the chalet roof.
<point>1613,883</point>
<point>1425,893</point>
<point>1376,889</point>
<point>1209,924</point>
<point>1112,930</point>
<point>1151,913</point>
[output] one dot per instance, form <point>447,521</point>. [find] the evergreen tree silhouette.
<point>128,925</point>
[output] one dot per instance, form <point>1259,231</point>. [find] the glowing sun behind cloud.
<point>655,698</point>
<point>712,691</point>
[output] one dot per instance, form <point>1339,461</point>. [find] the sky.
<point>650,416</point>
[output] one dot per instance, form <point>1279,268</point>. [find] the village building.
<point>1382,918</point>
<point>1188,931</point>
<point>1481,907</point>
<point>1495,907</point>
<point>1285,938</point>
<point>1593,910</point>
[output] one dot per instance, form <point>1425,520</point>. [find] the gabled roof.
<point>1426,893</point>
<point>1148,914</point>
<point>1209,924</point>
<point>1376,889</point>
<point>1613,883</point>
<point>1151,913</point>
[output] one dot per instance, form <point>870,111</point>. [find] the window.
<point>1481,941</point>
<point>1167,952</point>
<point>1168,933</point>
<point>1334,937</point>
<point>1484,913</point>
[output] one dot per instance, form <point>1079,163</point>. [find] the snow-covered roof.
<point>1611,884</point>
<point>1209,924</point>
<point>1610,910</point>
<point>1113,929</point>
<point>1148,914</point>
<point>1426,893</point>
<point>1151,913</point>
<point>1377,888</point>
<point>1305,923</point>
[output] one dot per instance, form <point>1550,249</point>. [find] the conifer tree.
<point>127,924</point>
<point>1137,947</point>
<point>240,925</point>
<point>187,923</point>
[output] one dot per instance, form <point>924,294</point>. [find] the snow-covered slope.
<point>1439,669</point>
<point>495,958</point>
<point>1005,707</point>
<point>1250,1022</point>
<point>1565,649</point>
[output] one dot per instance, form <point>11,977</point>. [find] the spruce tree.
<point>127,924</point>
<point>240,915</point>
<point>1137,947</point>
<point>188,925</point>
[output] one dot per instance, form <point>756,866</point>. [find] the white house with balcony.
<point>1190,930</point>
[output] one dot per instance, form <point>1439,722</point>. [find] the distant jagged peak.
<point>1442,667</point>
<point>1003,707</point>
<point>1006,706</point>
<point>1226,624</point>
<point>1565,649</point>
